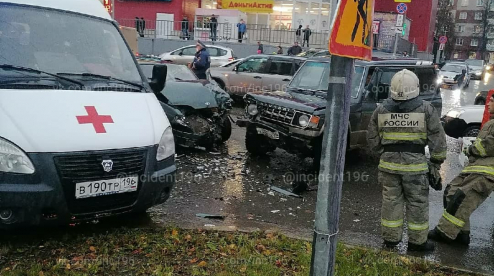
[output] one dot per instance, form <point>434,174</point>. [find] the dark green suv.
<point>294,119</point>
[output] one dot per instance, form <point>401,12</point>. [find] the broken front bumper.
<point>47,197</point>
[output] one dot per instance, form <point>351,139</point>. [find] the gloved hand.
<point>466,151</point>
<point>435,180</point>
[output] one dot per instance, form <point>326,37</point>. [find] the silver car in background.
<point>219,55</point>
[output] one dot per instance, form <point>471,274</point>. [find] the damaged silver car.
<point>198,110</point>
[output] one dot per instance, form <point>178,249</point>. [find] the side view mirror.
<point>158,79</point>
<point>180,53</point>
<point>235,68</point>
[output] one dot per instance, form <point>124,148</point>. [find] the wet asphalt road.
<point>236,185</point>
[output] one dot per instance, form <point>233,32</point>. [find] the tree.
<point>445,25</point>
<point>487,14</point>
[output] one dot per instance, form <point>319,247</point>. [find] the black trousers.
<point>240,36</point>
<point>303,43</point>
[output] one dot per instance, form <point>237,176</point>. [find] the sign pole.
<point>332,167</point>
<point>396,45</point>
<point>113,9</point>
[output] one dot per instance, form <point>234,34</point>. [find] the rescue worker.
<point>399,130</point>
<point>470,189</point>
<point>202,61</point>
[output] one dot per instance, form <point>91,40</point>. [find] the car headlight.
<point>478,73</point>
<point>252,109</point>
<point>13,159</point>
<point>303,120</point>
<point>166,147</point>
<point>488,67</point>
<point>439,80</point>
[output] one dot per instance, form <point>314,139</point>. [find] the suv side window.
<point>253,65</point>
<point>280,67</point>
<point>427,78</point>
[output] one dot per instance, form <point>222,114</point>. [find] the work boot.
<point>439,236</point>
<point>390,244</point>
<point>427,246</point>
<point>463,238</point>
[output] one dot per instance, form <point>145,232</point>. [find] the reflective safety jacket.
<point>481,152</point>
<point>400,130</point>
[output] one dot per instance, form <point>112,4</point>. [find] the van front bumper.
<point>48,196</point>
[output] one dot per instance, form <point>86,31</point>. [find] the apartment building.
<point>468,16</point>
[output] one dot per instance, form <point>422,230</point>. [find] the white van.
<point>82,134</point>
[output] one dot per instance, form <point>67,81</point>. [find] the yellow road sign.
<point>351,35</point>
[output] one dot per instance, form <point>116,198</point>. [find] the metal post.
<point>396,45</point>
<point>332,167</point>
<point>113,9</point>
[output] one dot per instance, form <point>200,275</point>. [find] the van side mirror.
<point>158,79</point>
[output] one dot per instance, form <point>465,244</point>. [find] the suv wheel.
<point>257,144</point>
<point>226,128</point>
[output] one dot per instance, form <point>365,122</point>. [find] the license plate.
<point>106,187</point>
<point>270,134</point>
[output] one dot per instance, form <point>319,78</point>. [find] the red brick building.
<point>422,13</point>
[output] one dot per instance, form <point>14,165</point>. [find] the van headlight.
<point>166,147</point>
<point>13,159</point>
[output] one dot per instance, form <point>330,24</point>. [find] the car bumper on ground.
<point>49,197</point>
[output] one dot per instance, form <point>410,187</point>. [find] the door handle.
<point>257,77</point>
<point>285,79</point>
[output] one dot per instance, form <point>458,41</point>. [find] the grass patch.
<point>193,252</point>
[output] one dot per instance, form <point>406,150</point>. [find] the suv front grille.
<point>81,167</point>
<point>276,113</point>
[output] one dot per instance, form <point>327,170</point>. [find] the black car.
<point>480,99</point>
<point>198,110</point>
<point>294,119</point>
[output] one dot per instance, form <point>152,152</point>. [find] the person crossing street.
<point>399,130</point>
<point>470,189</point>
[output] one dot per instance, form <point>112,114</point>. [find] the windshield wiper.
<point>103,77</point>
<point>26,69</point>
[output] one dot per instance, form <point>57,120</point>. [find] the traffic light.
<point>404,29</point>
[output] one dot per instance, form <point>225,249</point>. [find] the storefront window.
<point>301,16</point>
<point>281,18</point>
<point>208,4</point>
<point>314,12</point>
<point>325,16</point>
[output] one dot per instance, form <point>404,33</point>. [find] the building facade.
<point>469,29</point>
<point>422,15</point>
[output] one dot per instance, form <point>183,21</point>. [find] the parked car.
<point>257,73</point>
<point>454,74</point>
<point>480,98</point>
<point>219,55</point>
<point>232,63</point>
<point>294,120</point>
<point>463,121</point>
<point>477,68</point>
<point>197,109</point>
<point>314,53</point>
<point>81,137</point>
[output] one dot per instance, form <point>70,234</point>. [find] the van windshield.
<point>63,43</point>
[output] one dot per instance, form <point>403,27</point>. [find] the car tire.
<point>471,131</point>
<point>256,144</point>
<point>226,129</point>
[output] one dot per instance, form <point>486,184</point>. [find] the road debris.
<point>284,192</point>
<point>210,216</point>
<point>275,211</point>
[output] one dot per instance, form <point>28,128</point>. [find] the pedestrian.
<point>214,26</point>
<point>294,50</point>
<point>405,54</point>
<point>242,28</point>
<point>202,61</point>
<point>307,34</point>
<point>185,28</point>
<point>138,25</point>
<point>260,48</point>
<point>470,189</point>
<point>280,51</point>
<point>399,130</point>
<point>143,26</point>
<point>298,34</point>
